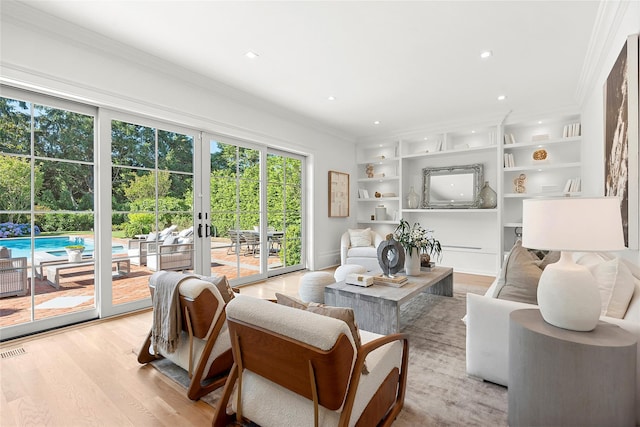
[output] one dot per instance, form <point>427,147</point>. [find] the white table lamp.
<point>568,294</point>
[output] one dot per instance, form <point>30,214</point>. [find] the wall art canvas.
<point>338,194</point>
<point>621,137</point>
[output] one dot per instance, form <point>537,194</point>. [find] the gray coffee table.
<point>377,307</point>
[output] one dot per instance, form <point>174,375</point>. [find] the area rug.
<point>439,392</point>
<point>64,302</point>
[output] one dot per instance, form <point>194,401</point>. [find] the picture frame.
<point>338,194</point>
<point>621,136</point>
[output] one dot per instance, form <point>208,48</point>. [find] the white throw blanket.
<point>167,319</point>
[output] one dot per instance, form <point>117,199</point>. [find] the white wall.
<point>49,55</point>
<point>620,21</point>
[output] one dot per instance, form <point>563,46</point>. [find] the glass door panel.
<point>47,216</point>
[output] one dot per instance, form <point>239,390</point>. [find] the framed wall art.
<point>621,138</point>
<point>338,194</point>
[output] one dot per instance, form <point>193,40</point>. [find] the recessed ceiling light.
<point>426,138</point>
<point>502,97</point>
<point>486,54</point>
<point>539,122</point>
<point>251,55</point>
<point>377,122</point>
<point>473,131</point>
<point>331,98</point>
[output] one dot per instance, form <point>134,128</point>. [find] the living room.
<point>45,53</point>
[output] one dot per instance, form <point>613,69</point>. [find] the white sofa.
<point>487,322</point>
<point>353,252</point>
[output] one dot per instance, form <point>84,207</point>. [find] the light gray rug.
<point>439,392</point>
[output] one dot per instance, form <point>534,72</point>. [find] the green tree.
<point>144,186</point>
<point>15,185</point>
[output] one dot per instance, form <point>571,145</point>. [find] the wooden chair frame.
<point>196,321</point>
<point>324,377</point>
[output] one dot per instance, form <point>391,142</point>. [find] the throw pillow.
<point>341,313</point>
<point>616,286</point>
<point>360,237</point>
<point>550,258</point>
<point>521,276</point>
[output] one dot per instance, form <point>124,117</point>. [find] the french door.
<point>254,210</point>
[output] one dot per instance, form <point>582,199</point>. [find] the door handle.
<point>200,230</point>
<point>206,230</point>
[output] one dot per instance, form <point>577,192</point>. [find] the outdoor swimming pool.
<point>21,246</point>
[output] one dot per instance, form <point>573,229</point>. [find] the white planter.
<point>412,263</point>
<point>75,255</point>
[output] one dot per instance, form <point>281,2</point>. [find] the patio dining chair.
<point>237,240</point>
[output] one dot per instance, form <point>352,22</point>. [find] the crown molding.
<point>608,19</point>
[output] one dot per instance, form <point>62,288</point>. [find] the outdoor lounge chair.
<point>204,349</point>
<point>294,367</point>
<point>13,277</point>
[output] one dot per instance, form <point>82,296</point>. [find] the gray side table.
<point>559,377</point>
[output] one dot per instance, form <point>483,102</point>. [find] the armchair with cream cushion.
<point>360,247</point>
<point>297,367</point>
<point>515,288</point>
<point>204,349</point>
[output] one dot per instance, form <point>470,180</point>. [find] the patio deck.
<point>131,287</point>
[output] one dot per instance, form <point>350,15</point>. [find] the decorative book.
<point>396,282</point>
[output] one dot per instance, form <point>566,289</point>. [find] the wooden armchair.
<point>294,367</point>
<point>204,350</point>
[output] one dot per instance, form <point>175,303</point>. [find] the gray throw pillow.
<point>521,276</point>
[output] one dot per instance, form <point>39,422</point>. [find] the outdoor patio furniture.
<point>139,247</point>
<point>177,256</point>
<point>53,271</point>
<point>236,242</point>
<point>252,242</point>
<point>13,277</point>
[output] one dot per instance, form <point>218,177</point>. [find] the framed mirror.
<point>454,187</point>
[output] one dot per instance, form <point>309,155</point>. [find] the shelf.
<point>543,166</point>
<point>380,199</point>
<point>470,210</point>
<point>451,152</point>
<point>378,161</point>
<point>386,178</point>
<point>531,195</point>
<point>546,143</point>
<point>512,224</point>
<point>369,221</point>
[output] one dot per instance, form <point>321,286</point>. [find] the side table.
<point>559,377</point>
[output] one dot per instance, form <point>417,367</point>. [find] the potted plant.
<point>74,252</point>
<point>416,240</point>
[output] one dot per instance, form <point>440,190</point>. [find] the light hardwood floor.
<point>88,374</point>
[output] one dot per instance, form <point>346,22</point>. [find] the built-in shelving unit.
<point>474,240</point>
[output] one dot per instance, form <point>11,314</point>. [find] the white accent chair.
<point>366,256</point>
<point>294,367</point>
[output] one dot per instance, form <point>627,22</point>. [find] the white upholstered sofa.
<point>487,322</point>
<point>360,247</point>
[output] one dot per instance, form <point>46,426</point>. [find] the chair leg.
<point>220,418</point>
<point>144,355</point>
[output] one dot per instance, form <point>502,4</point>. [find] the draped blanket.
<point>167,319</point>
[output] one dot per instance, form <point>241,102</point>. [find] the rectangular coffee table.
<point>377,307</point>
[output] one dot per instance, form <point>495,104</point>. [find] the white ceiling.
<point>406,64</point>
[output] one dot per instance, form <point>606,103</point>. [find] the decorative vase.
<point>412,263</point>
<point>381,213</point>
<point>75,255</point>
<point>488,198</point>
<point>412,199</point>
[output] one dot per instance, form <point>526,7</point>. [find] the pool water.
<point>21,246</point>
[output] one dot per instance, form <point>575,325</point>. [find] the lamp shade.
<point>572,224</point>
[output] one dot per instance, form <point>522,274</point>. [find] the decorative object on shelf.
<point>378,195</point>
<point>381,213</point>
<point>568,294</point>
<point>540,155</point>
<point>390,256</point>
<point>74,252</point>
<point>415,240</point>
<point>369,170</point>
<point>452,187</point>
<point>338,194</point>
<point>488,198</point>
<point>363,193</point>
<point>373,217</point>
<point>412,199</point>
<point>388,194</point>
<point>518,183</point>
